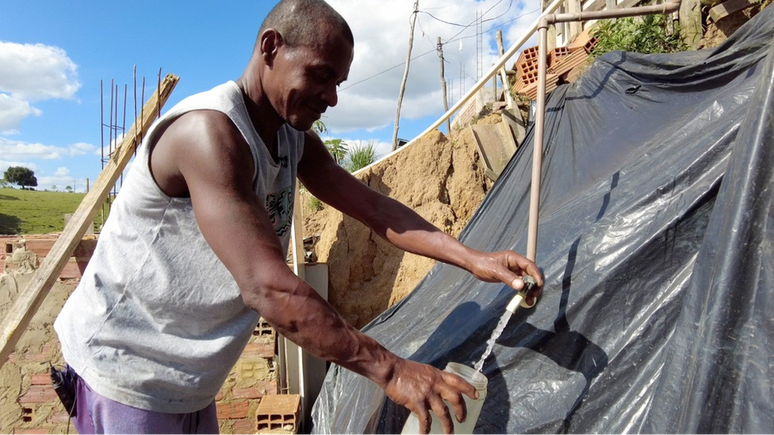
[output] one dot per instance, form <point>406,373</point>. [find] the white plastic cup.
<point>479,381</point>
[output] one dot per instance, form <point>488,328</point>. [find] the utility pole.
<point>405,76</point>
<point>439,47</point>
<point>504,73</point>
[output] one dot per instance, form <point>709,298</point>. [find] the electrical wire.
<point>386,70</point>
<point>452,39</point>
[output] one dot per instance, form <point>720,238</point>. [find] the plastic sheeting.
<point>655,237</point>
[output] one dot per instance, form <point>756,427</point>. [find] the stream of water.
<point>495,335</point>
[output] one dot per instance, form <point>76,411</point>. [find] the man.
<point>190,255</point>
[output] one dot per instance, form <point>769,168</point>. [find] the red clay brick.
<point>41,379</point>
<point>263,350</point>
<point>262,389</point>
<point>233,410</point>
<point>36,430</point>
<point>244,426</point>
<point>38,394</point>
<point>58,418</point>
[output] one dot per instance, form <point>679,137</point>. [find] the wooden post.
<point>29,301</point>
<point>575,27</point>
<point>439,47</point>
<point>503,73</point>
<point>691,22</point>
<point>405,76</point>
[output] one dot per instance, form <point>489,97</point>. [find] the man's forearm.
<point>410,232</point>
<point>302,316</point>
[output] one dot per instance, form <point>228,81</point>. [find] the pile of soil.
<point>442,179</point>
<point>717,33</point>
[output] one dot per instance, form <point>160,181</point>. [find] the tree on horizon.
<point>21,176</point>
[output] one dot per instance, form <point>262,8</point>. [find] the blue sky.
<point>53,55</point>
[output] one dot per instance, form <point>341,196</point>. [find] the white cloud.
<point>24,150</point>
<point>12,111</point>
<point>61,171</point>
<point>32,72</point>
<point>4,165</point>
<point>37,72</point>
<point>368,99</point>
<point>83,148</point>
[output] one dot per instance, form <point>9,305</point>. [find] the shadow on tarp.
<point>657,245</point>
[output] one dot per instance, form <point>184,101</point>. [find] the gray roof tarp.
<point>656,238</point>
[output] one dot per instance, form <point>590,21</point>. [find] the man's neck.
<point>262,114</point>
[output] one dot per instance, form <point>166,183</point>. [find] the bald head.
<point>305,22</point>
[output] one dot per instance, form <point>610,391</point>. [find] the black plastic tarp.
<point>656,231</point>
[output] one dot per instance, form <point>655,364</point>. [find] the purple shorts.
<point>96,414</point>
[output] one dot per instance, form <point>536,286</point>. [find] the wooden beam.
<point>25,307</point>
<point>727,8</point>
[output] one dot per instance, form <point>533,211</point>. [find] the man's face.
<point>305,80</point>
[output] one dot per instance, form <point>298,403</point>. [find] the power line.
<point>386,70</point>
<point>452,39</point>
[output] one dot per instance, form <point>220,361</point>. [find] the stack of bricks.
<point>563,66</point>
<point>28,403</point>
<point>526,69</point>
<point>40,246</point>
<point>279,414</point>
<point>252,379</point>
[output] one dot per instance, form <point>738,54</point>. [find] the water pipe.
<point>537,153</point>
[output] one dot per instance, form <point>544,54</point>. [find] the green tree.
<point>338,149</point>
<point>53,187</point>
<point>360,156</point>
<point>69,188</point>
<point>319,127</point>
<point>21,176</point>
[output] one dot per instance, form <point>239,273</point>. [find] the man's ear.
<point>271,40</point>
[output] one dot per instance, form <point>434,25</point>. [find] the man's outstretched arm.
<point>203,155</point>
<point>402,226</point>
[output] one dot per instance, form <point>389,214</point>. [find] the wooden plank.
<point>574,27</point>
<point>727,8</point>
<point>691,24</point>
<point>598,5</point>
<point>29,301</point>
<point>629,4</point>
<point>503,73</point>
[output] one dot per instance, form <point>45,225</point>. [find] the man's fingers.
<point>458,406</point>
<point>442,412</point>
<point>517,283</point>
<point>423,416</point>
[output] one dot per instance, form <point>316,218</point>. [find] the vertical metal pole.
<point>537,153</point>
<point>102,124</point>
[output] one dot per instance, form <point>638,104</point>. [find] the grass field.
<point>33,212</point>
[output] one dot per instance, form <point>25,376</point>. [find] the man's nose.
<point>330,96</point>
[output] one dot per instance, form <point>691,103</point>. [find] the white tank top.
<point>157,321</point>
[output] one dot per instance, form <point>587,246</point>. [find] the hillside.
<point>25,212</point>
<point>443,179</point>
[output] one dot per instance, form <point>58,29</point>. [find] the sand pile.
<point>441,179</point>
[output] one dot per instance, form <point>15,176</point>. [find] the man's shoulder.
<point>220,98</point>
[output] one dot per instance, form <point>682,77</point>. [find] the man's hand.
<point>422,389</point>
<point>507,267</point>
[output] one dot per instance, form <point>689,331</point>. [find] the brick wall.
<point>28,403</point>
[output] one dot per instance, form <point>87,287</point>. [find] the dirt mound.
<point>716,33</point>
<point>441,179</point>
